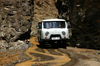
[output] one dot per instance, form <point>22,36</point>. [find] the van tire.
<point>64,43</point>
<point>42,43</point>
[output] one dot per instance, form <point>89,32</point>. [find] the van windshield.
<point>54,24</point>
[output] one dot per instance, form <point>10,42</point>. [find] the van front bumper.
<point>54,39</point>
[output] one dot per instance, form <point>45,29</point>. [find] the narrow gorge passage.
<point>54,60</point>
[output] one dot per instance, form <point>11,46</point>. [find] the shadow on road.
<point>53,45</point>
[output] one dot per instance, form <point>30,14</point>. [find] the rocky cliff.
<point>15,21</point>
<point>85,21</point>
<point>16,18</point>
<point>43,9</point>
<point>84,17</point>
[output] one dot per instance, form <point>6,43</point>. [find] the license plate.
<point>55,38</point>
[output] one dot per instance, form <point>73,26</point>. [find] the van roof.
<point>53,20</point>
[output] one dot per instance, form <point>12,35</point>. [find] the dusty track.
<point>58,60</point>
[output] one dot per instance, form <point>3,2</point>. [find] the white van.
<point>53,30</point>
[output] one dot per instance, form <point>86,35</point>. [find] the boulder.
<point>18,45</point>
<point>3,45</point>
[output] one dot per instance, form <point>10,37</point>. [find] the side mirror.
<point>37,27</point>
<point>68,26</point>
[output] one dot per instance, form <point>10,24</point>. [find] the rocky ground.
<point>82,57</point>
<point>79,57</point>
<point>12,57</point>
<point>47,56</point>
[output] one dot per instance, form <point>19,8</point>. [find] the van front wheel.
<point>64,43</point>
<point>42,44</point>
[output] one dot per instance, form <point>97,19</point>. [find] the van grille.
<point>57,35</point>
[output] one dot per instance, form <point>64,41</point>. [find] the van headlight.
<point>63,33</point>
<point>47,33</point>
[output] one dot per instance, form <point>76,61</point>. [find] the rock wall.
<point>62,6</point>
<point>15,20</point>
<point>84,17</point>
<point>43,9</point>
<point>85,21</point>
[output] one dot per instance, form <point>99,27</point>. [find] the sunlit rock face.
<point>43,9</point>
<point>15,19</point>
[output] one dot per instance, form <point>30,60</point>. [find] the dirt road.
<point>44,57</point>
<point>60,56</point>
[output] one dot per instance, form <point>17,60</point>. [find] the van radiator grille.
<point>55,36</point>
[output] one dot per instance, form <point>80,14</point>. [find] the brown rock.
<point>13,21</point>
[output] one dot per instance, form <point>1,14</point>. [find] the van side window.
<point>40,25</point>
